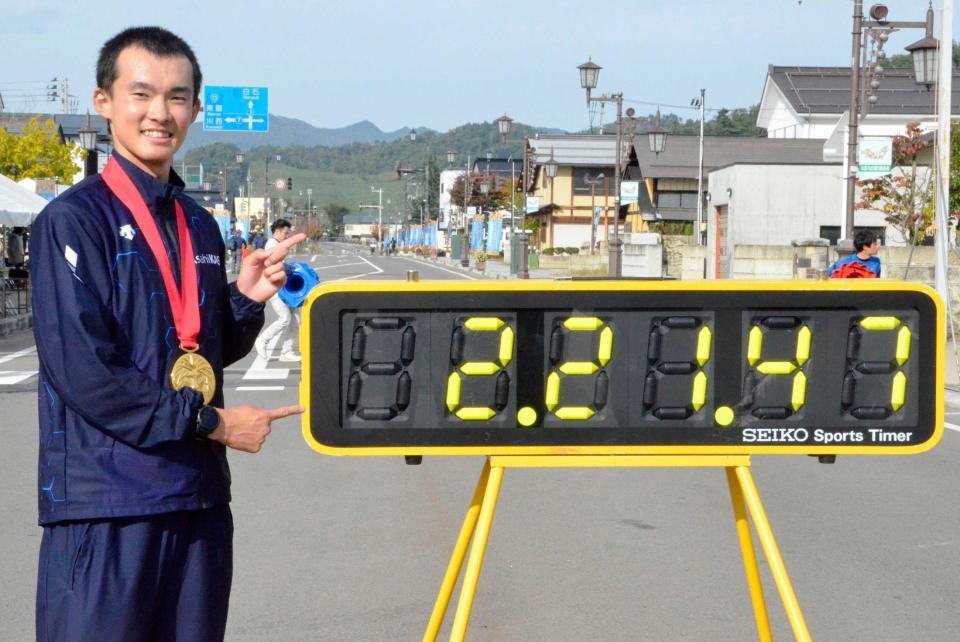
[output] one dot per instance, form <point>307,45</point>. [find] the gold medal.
<point>192,370</point>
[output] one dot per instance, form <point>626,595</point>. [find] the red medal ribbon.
<point>186,308</point>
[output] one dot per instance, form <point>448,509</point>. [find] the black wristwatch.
<point>208,420</point>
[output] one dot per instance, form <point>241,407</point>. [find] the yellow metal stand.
<point>743,495</point>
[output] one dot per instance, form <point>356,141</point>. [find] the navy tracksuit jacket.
<point>115,440</point>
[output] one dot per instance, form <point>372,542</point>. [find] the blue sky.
<point>441,64</point>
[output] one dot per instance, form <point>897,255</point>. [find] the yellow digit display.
<point>463,369</point>
<point>670,358</point>
<point>757,338</point>
<point>578,368</point>
<point>865,363</point>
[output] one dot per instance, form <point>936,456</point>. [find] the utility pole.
<point>944,92</point>
<point>464,242</point>
<point>700,174</point>
<point>853,124</point>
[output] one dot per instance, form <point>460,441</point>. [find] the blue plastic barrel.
<point>301,278</point>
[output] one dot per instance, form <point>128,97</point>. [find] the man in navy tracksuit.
<point>134,486</point>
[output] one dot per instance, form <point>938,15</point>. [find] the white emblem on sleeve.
<point>127,232</point>
<point>71,255</point>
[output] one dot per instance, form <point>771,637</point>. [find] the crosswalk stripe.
<point>17,355</point>
<point>266,375</point>
<point>9,378</point>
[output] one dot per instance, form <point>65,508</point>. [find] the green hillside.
<point>344,174</point>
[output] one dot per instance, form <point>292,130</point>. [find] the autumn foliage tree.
<point>37,153</point>
<point>906,195</point>
<point>497,198</point>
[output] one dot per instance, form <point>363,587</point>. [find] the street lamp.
<point>504,125</point>
<point>657,137</point>
<point>879,29</point>
<point>551,166</point>
<point>589,74</point>
<point>88,141</point>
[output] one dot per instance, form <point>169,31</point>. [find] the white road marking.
<point>17,355</point>
<point>266,375</point>
<point>951,426</point>
<point>357,276</point>
<point>255,388</point>
<point>437,267</point>
<point>331,267</point>
<point>9,378</point>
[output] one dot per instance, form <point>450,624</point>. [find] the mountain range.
<point>286,132</point>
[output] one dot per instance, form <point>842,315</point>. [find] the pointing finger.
<point>293,240</point>
<point>286,411</point>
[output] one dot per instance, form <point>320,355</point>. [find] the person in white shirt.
<point>283,327</point>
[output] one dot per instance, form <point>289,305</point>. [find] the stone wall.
<point>763,262</point>
<point>587,265</point>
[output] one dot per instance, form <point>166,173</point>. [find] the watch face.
<point>208,419</point>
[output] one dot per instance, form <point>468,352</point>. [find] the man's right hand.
<point>246,427</point>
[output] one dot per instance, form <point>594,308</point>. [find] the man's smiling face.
<point>150,107</point>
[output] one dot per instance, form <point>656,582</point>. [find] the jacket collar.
<point>154,191</point>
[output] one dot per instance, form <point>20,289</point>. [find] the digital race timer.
<point>622,367</point>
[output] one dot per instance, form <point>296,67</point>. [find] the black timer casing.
<point>611,367</point>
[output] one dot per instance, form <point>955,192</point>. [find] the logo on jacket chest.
<point>207,259</point>
<point>127,232</point>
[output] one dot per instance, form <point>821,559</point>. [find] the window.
<point>832,233</point>
<point>677,200</point>
<point>583,174</point>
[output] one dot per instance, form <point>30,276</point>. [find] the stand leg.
<point>456,560</point>
<point>777,568</point>
<point>474,564</point>
<point>749,557</point>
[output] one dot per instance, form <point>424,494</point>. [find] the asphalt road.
<point>354,548</point>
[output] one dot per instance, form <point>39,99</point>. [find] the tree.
<point>37,153</point>
<point>906,195</point>
<point>494,200</point>
<point>336,212</point>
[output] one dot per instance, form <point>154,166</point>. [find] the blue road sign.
<point>235,109</point>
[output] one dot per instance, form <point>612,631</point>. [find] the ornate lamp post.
<point>589,73</point>
<point>88,141</point>
<point>504,125</point>
<point>878,29</point>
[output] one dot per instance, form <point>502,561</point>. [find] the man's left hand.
<point>262,274</point>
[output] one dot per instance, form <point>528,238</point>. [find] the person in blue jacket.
<point>863,262</point>
<point>134,486</point>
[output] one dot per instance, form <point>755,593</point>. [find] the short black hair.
<point>157,41</point>
<point>278,224</point>
<point>863,238</point>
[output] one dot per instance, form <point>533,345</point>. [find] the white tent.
<point>18,206</point>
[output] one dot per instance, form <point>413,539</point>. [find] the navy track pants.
<point>158,577</point>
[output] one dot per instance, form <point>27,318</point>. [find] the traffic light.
<point>289,183</point>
